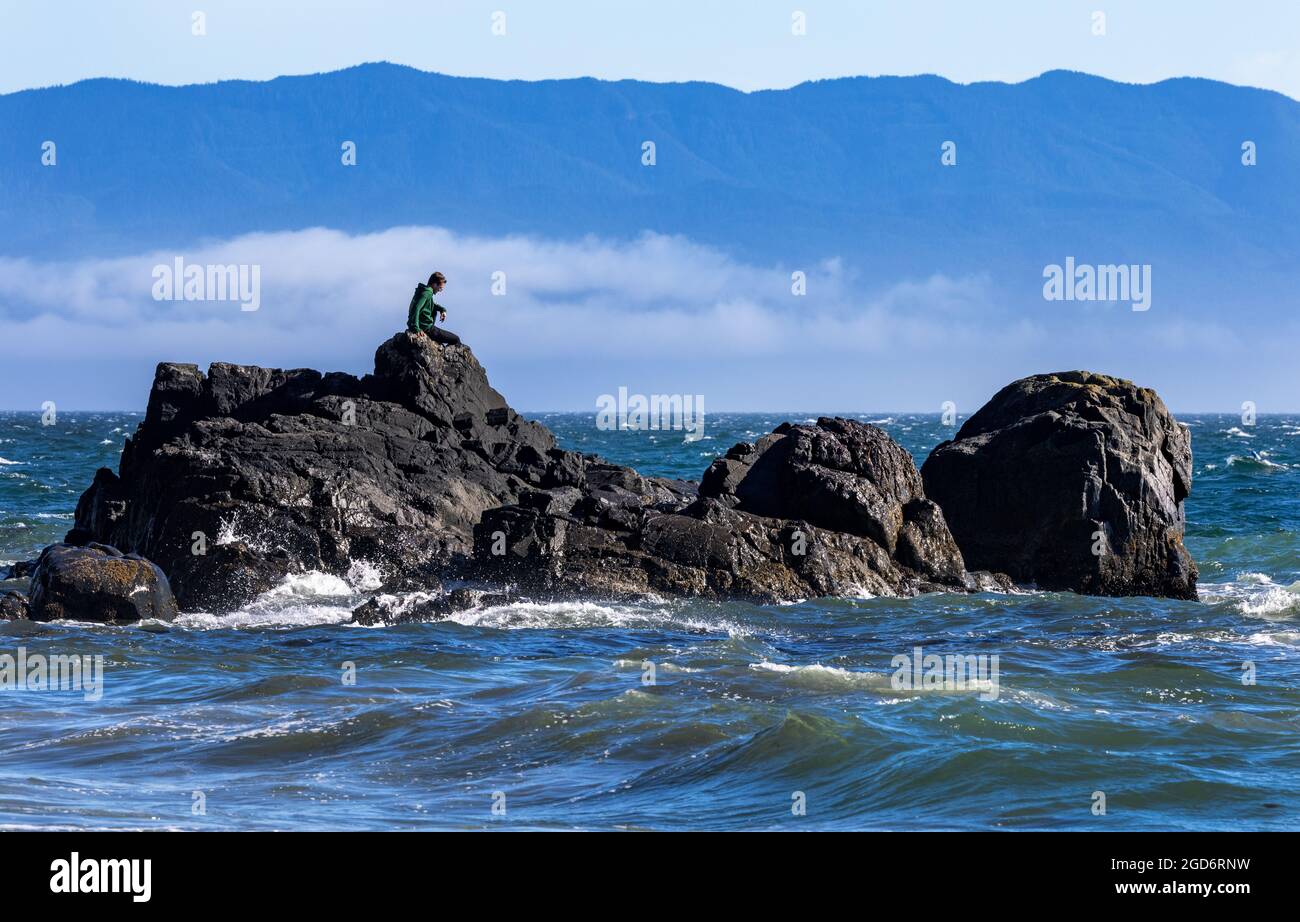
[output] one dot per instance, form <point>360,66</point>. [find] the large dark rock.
<point>842,476</point>
<point>98,583</point>
<point>244,474</point>
<point>1058,466</point>
<point>829,509</point>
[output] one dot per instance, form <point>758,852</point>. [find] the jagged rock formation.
<point>1071,481</point>
<point>240,476</point>
<point>830,509</point>
<point>98,583</point>
<point>843,476</point>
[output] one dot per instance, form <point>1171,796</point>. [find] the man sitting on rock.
<point>420,316</point>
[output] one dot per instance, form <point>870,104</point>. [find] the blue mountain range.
<point>1064,164</point>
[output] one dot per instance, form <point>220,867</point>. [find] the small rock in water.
<point>21,569</point>
<point>392,610</point>
<point>98,583</point>
<point>14,607</point>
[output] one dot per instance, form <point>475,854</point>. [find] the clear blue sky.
<point>741,43</point>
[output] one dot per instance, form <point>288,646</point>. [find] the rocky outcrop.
<point>1071,481</point>
<point>240,476</point>
<point>835,508</point>
<point>98,583</point>
<point>841,476</point>
<point>244,474</point>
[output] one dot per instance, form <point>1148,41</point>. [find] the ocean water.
<point>540,716</point>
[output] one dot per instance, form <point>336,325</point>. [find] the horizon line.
<point>785,412</point>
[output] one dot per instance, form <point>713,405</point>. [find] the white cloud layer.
<point>571,298</point>
<point>582,317</point>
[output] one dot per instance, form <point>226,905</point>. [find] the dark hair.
<point>437,277</point>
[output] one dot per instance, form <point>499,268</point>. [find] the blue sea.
<point>544,715</point>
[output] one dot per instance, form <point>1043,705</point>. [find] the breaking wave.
<point>1257,461</point>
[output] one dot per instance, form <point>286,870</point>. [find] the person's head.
<point>437,281</point>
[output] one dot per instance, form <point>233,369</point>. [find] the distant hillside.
<point>1065,164</point>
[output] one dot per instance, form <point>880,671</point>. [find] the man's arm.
<point>442,311</point>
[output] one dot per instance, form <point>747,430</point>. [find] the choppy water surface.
<point>543,709</point>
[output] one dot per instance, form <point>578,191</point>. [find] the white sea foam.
<point>299,600</point>
<point>1255,460</point>
<point>1255,594</point>
<point>580,614</point>
<point>311,584</point>
<point>835,678</point>
<point>7,461</point>
<point>1276,600</point>
<point>259,614</point>
<point>312,598</point>
<point>830,677</point>
<point>1275,638</point>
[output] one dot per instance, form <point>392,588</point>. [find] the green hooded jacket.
<point>423,310</point>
